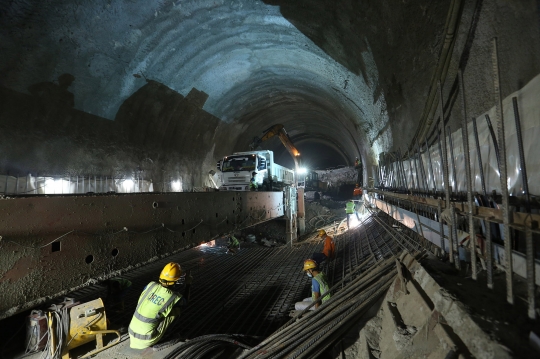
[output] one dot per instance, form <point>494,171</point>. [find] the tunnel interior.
<point>103,100</point>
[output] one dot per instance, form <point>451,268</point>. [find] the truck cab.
<point>237,168</point>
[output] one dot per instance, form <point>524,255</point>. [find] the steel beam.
<point>98,234</point>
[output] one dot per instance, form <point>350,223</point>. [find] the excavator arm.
<point>278,130</point>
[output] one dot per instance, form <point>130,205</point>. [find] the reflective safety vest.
<point>155,304</point>
<point>323,285</point>
<point>349,208</point>
<point>233,241</point>
<point>253,184</point>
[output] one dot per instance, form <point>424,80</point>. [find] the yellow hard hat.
<point>171,272</point>
<point>310,264</point>
<point>357,185</point>
<point>322,232</point>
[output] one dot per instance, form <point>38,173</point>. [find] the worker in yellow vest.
<point>350,209</point>
<point>158,306</point>
<point>319,286</point>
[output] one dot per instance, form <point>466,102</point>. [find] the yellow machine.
<point>70,325</point>
<point>88,322</point>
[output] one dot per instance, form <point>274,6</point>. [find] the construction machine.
<point>300,172</point>
<point>279,130</point>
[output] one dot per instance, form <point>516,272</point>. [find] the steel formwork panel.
<point>96,235</point>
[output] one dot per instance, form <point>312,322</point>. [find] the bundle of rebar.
<point>312,332</point>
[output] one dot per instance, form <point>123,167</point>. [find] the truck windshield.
<point>238,163</point>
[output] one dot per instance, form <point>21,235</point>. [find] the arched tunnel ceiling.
<point>257,68</point>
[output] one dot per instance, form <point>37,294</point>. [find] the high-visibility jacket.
<point>253,183</point>
<point>154,305</point>
<point>357,191</point>
<point>323,285</point>
<point>349,209</point>
<point>233,241</point>
<point>329,248</point>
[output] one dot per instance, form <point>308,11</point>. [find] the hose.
<point>199,346</point>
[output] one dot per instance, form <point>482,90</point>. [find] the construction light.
<point>176,186</point>
<point>128,185</point>
<point>53,186</point>
<point>302,171</point>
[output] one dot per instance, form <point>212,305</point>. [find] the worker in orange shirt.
<point>357,192</point>
<point>329,249</point>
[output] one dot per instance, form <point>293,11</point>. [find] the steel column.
<point>467,158</point>
<point>503,174</point>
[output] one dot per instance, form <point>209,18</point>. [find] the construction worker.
<point>357,192</point>
<point>158,306</point>
<point>319,286</point>
<point>350,209</point>
<point>233,244</point>
<point>253,182</point>
<point>329,249</point>
<point>357,162</point>
<point>117,288</point>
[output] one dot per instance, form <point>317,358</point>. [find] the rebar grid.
<point>253,291</point>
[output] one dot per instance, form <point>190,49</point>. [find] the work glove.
<point>189,278</point>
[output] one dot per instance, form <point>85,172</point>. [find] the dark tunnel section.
<point>316,155</point>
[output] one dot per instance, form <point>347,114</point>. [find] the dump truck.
<point>236,169</point>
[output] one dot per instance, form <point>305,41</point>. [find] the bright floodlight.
<point>176,186</point>
<point>302,170</point>
<point>128,185</point>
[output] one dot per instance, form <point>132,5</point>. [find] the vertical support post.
<point>454,235</point>
<point>425,182</point>
<point>290,214</point>
<point>453,161</point>
<point>301,211</point>
<point>441,227</point>
<point>479,156</point>
<point>403,171</point>
<point>446,175</point>
<point>17,185</point>
<point>416,172</point>
<point>27,180</point>
<point>413,182</point>
<point>467,158</point>
<point>503,175</point>
<point>529,245</point>
<point>431,168</point>
<point>489,256</point>
<point>77,188</point>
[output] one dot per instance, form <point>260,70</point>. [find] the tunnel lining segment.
<point>96,225</point>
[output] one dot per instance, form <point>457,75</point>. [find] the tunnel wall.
<point>157,134</point>
<point>51,245</point>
